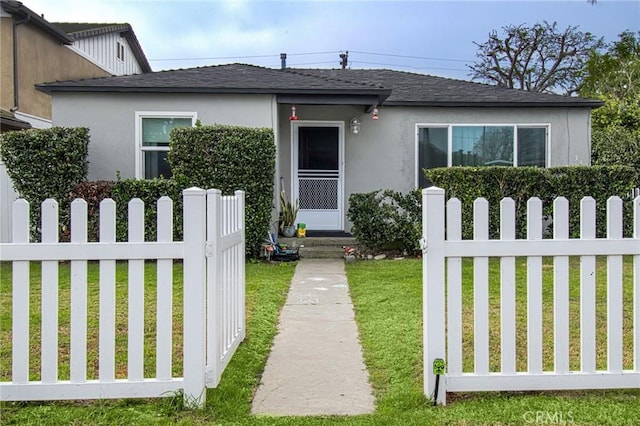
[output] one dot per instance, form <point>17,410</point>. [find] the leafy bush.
<point>149,191</point>
<point>617,145</point>
<point>93,192</point>
<point>494,184</point>
<point>229,158</point>
<point>46,163</point>
<point>522,183</point>
<point>386,220</point>
<point>123,191</point>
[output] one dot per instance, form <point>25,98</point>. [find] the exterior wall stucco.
<point>6,63</point>
<point>40,59</point>
<point>111,120</point>
<point>382,155</point>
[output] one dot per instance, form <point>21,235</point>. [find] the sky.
<point>428,36</point>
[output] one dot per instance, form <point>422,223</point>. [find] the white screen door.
<point>318,174</point>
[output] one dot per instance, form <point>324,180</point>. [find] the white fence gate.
<point>212,252</point>
<point>442,315</point>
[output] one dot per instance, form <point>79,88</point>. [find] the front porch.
<point>321,244</point>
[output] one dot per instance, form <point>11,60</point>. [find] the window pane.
<point>482,146</point>
<point>318,148</point>
<point>156,164</point>
<point>432,151</point>
<point>532,143</point>
<point>155,131</point>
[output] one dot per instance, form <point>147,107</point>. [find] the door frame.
<point>295,125</point>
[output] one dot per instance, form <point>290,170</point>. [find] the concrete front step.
<point>320,247</point>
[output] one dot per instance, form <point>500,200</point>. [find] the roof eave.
<point>130,36</point>
<point>15,7</point>
<point>502,104</point>
<point>51,88</point>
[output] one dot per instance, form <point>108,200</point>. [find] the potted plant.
<point>288,213</point>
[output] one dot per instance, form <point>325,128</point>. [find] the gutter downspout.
<point>16,98</point>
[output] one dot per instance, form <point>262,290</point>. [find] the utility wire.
<point>241,57</point>
<point>407,66</point>
<point>409,57</point>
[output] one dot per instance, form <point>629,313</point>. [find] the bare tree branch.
<point>539,58</point>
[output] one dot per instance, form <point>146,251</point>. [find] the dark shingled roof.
<point>391,87</point>
<point>8,121</point>
<point>426,90</point>
<point>233,78</point>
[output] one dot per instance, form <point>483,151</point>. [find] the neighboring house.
<point>33,50</point>
<point>405,122</point>
<point>37,51</point>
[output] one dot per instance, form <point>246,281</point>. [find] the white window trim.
<point>449,127</point>
<point>120,47</point>
<point>139,158</point>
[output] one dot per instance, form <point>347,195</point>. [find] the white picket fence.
<point>212,253</point>
<point>442,297</point>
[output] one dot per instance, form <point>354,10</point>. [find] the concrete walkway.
<point>315,366</point>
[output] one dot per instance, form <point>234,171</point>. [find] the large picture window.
<point>480,145</point>
<point>153,141</point>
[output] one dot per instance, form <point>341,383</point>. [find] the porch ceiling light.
<point>354,125</point>
<point>293,116</point>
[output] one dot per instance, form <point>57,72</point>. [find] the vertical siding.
<point>103,50</point>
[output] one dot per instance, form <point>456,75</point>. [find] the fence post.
<point>194,220</point>
<point>214,281</point>
<point>636,287</point>
<point>433,288</point>
<point>20,297</point>
<point>240,195</point>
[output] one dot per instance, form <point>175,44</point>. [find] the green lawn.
<point>387,298</point>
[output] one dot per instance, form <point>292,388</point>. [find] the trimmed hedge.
<point>123,191</point>
<point>522,183</point>
<point>229,158</point>
<point>384,220</point>
<point>149,191</point>
<point>46,163</point>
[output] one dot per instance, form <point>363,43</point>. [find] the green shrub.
<point>494,184</point>
<point>229,158</point>
<point>522,183</point>
<point>149,191</point>
<point>386,220</point>
<point>93,192</point>
<point>617,145</point>
<point>46,163</point>
<point>123,191</point>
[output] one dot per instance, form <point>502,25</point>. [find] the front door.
<point>317,174</point>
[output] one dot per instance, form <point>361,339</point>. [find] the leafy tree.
<point>540,58</point>
<point>614,77</point>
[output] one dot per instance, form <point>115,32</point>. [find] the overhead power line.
<point>334,52</point>
<point>408,66</point>
<point>243,57</point>
<point>410,57</point>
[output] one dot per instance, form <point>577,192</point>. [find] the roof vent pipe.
<point>283,61</point>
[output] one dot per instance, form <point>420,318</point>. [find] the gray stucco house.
<point>405,122</point>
